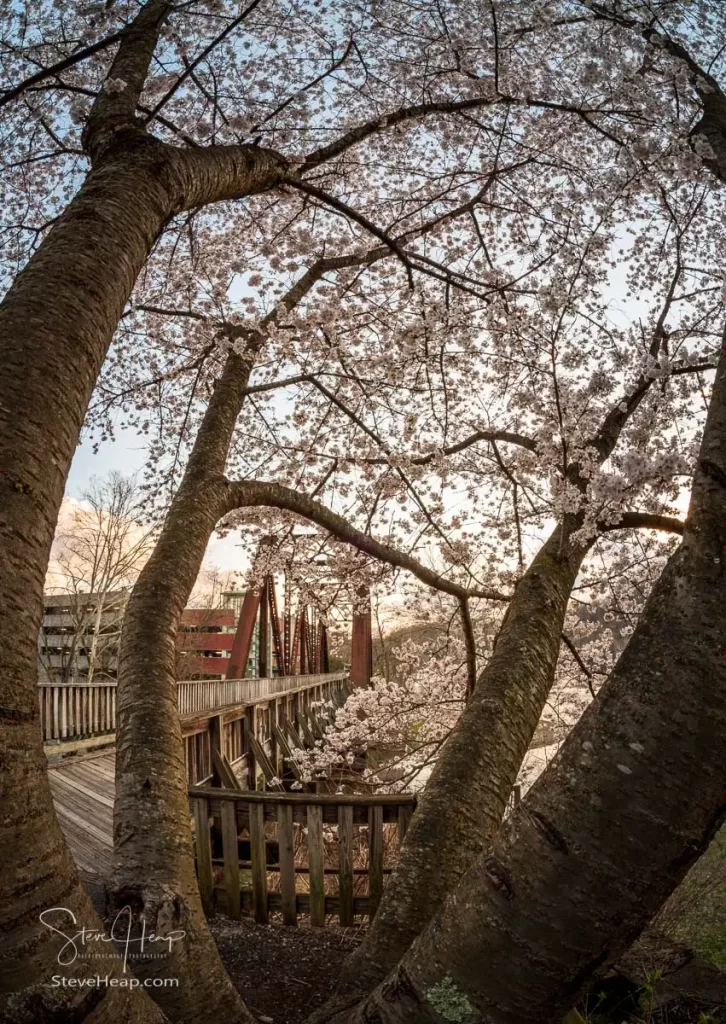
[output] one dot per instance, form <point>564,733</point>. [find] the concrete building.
<point>79,636</point>
<point>68,652</point>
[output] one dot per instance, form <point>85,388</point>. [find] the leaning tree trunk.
<point>154,858</point>
<point>611,828</point>
<point>154,870</point>
<point>56,323</point>
<point>464,800</point>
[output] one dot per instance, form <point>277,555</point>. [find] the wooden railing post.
<point>230,852</point>
<point>375,858</point>
<point>287,865</point>
<point>345,865</point>
<point>316,866</point>
<point>249,730</point>
<point>216,742</point>
<point>205,877</point>
<point>258,857</point>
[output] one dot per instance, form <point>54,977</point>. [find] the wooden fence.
<point>74,712</point>
<point>293,854</point>
<point>69,712</point>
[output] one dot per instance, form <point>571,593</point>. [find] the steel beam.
<point>237,667</point>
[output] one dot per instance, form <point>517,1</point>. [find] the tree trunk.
<point>611,828</point>
<point>56,323</point>
<point>154,871</point>
<point>464,800</point>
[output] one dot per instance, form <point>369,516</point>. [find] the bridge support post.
<point>216,742</point>
<point>237,667</point>
<point>361,657</point>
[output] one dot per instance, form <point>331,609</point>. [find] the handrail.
<point>250,796</point>
<point>72,710</point>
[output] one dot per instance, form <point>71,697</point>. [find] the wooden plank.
<point>291,730</point>
<point>333,799</point>
<point>249,732</point>
<point>223,770</point>
<point>216,734</point>
<point>192,759</point>
<point>345,865</point>
<point>307,732</point>
<point>204,853</point>
<point>375,857</point>
<point>258,856</point>
<point>315,864</point>
<point>287,865</point>
<point>264,762</point>
<point>286,752</point>
<point>405,813</point>
<point>231,859</point>
<point>316,725</point>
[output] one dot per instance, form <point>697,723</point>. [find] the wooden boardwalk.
<point>246,736</point>
<point>83,793</point>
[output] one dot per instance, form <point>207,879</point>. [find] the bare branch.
<point>580,663</point>
<point>202,56</point>
<point>62,65</point>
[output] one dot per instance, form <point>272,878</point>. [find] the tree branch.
<point>61,65</point>
<point>200,57</point>
<point>580,663</point>
<point>644,521</point>
<point>261,494</point>
<point>467,627</point>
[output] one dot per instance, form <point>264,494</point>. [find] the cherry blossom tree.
<point>123,125</point>
<point>399,117</point>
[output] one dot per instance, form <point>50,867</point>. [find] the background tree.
<point>98,551</point>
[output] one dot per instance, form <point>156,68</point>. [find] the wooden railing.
<point>74,712</point>
<point>257,735</point>
<point>293,854</point>
<point>202,694</point>
<point>70,712</point>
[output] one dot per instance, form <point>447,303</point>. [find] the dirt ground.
<point>283,973</point>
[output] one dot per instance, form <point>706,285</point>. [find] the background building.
<point>79,638</point>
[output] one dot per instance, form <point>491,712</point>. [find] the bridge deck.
<point>83,793</point>
<point>83,786</point>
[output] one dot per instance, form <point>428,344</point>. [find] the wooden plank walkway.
<point>83,793</point>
